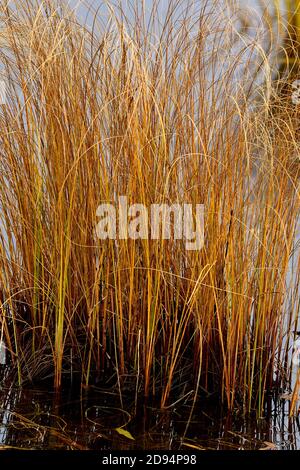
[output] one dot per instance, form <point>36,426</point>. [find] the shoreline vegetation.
<point>183,108</point>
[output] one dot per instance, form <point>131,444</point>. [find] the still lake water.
<point>39,419</point>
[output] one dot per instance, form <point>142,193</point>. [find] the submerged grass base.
<point>167,112</point>
<point>41,420</point>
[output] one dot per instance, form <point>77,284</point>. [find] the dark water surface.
<point>39,419</point>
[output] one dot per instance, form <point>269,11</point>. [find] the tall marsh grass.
<point>160,110</point>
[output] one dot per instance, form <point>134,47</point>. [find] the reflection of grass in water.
<point>93,114</point>
<point>35,423</point>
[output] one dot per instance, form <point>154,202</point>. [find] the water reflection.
<point>38,419</point>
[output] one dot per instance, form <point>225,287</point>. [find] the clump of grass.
<point>160,113</point>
